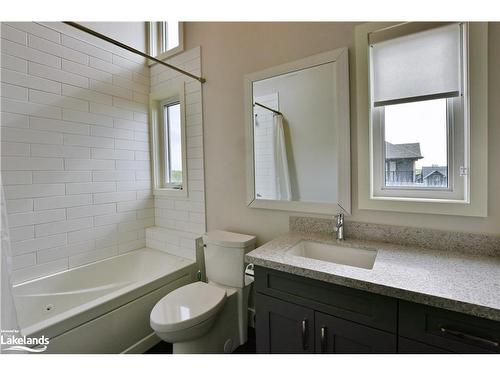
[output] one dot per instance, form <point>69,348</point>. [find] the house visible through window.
<point>416,144</point>
<point>418,114</point>
<point>172,141</point>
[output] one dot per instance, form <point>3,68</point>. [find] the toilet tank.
<point>225,257</point>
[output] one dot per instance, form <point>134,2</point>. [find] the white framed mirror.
<point>298,135</point>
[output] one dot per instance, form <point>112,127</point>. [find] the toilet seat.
<point>187,306</point>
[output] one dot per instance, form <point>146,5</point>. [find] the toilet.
<point>210,317</point>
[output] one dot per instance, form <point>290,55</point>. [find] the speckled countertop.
<point>460,282</point>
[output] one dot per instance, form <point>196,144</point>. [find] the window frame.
<point>476,111</point>
<point>455,191</point>
<point>456,122</point>
<point>165,144</point>
<point>156,38</point>
<point>157,100</point>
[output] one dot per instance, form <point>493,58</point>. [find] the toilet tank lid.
<point>228,239</point>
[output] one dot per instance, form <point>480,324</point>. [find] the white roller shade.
<point>426,64</point>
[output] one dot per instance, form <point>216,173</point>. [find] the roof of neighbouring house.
<point>402,151</point>
<point>427,171</point>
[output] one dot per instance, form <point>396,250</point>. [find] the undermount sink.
<point>349,256</point>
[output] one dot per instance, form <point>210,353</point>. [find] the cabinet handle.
<point>324,339</point>
<point>304,334</point>
<point>467,336</point>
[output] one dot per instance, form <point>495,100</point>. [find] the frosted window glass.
<point>172,35</point>
<point>172,144</point>
<point>415,65</point>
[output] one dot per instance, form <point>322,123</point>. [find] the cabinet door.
<point>283,327</point>
<point>408,346</point>
<point>334,335</point>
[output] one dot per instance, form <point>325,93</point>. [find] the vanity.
<point>403,300</point>
<point>431,292</point>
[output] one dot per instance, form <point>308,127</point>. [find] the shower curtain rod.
<point>269,109</point>
<point>133,50</point>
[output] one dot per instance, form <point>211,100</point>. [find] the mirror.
<point>298,142</point>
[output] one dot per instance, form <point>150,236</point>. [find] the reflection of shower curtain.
<point>8,310</point>
<point>283,189</point>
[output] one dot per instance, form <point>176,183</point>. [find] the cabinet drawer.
<point>351,304</point>
<point>455,332</point>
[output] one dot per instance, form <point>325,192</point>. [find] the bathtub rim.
<point>128,253</point>
<point>78,315</point>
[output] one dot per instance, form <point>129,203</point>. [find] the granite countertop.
<point>456,281</point>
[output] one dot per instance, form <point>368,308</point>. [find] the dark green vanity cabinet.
<point>300,315</point>
<point>448,330</point>
<point>283,327</point>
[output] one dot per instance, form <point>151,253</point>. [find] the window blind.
<point>419,66</point>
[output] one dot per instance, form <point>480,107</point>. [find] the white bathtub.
<point>102,307</point>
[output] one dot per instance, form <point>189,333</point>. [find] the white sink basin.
<point>349,256</point>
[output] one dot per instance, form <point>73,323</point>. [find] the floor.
<point>249,348</point>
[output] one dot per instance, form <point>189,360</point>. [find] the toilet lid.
<point>187,306</point>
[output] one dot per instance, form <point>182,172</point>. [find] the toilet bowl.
<point>209,317</point>
<point>187,312</point>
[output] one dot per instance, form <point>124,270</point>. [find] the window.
<point>416,144</point>
<point>421,90</point>
<point>172,144</point>
<point>165,38</point>
<point>168,129</point>
<point>418,114</point>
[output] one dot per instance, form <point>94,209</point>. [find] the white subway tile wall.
<point>179,221</point>
<point>265,173</point>
<point>75,148</point>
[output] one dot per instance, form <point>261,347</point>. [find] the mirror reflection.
<point>295,136</point>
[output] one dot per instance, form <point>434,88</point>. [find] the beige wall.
<point>132,33</point>
<point>230,50</point>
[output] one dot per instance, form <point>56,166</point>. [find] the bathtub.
<point>102,307</point>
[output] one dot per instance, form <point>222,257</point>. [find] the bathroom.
<point>255,187</point>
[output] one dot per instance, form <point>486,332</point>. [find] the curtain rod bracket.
<point>133,50</point>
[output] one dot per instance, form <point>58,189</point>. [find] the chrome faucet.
<point>339,227</point>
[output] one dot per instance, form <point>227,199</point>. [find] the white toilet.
<point>209,317</point>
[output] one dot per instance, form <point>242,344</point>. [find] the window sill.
<point>166,55</point>
<point>424,200</point>
<point>477,207</point>
<point>165,192</point>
